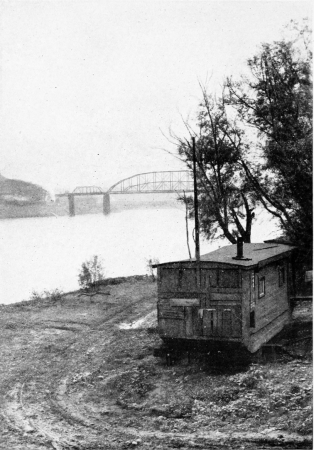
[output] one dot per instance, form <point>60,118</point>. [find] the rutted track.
<point>50,420</point>
<point>60,425</point>
<point>44,406</point>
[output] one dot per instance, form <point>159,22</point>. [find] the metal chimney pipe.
<point>239,248</point>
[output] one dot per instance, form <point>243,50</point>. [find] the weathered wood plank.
<point>260,337</point>
<point>184,302</point>
<point>225,296</point>
<point>172,328</point>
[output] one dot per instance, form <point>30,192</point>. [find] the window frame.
<point>261,282</point>
<point>281,276</point>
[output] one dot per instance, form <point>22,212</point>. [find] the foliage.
<point>13,191</point>
<point>150,262</point>
<point>53,295</point>
<point>276,100</point>
<point>91,272</point>
<point>254,146</point>
<point>226,199</point>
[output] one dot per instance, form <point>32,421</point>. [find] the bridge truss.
<point>154,182</point>
<point>143,183</point>
<point>87,190</point>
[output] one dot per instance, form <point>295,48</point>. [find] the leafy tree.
<point>91,272</point>
<point>276,100</point>
<point>226,200</point>
<point>264,155</point>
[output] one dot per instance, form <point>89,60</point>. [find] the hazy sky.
<point>89,87</point>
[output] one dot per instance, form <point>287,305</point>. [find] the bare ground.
<point>79,373</point>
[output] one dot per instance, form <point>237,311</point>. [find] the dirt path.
<point>79,374</point>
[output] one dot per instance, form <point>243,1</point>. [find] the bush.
<point>54,295</point>
<point>91,272</point>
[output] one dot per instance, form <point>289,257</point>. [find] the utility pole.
<point>197,228</point>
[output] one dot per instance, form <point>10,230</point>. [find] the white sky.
<point>88,87</point>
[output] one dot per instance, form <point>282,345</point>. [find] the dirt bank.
<point>79,373</point>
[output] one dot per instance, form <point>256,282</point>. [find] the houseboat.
<point>238,295</point>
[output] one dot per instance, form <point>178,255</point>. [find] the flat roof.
<point>252,254</point>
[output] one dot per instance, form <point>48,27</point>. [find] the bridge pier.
<point>143,183</point>
<point>71,205</point>
<point>106,203</point>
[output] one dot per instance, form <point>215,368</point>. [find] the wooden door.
<point>193,321</point>
<point>210,322</point>
<point>222,321</point>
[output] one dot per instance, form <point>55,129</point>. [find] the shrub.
<point>53,295</point>
<point>91,272</point>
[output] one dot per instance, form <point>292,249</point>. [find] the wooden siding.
<point>184,279</point>
<point>222,321</point>
<point>246,286</point>
<point>172,328</point>
<point>272,311</point>
<point>228,299</point>
<point>166,311</point>
<point>185,302</point>
<point>225,295</point>
<point>275,300</point>
<point>219,312</point>
<point>270,330</point>
<point>193,323</point>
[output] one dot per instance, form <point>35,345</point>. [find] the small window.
<point>281,275</point>
<point>252,319</point>
<point>261,287</point>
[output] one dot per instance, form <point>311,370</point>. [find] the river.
<point>40,254</point>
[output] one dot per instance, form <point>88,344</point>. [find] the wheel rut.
<point>50,411</point>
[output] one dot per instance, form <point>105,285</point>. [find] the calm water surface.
<point>47,253</point>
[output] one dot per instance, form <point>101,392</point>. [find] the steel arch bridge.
<point>167,181</point>
<point>154,182</point>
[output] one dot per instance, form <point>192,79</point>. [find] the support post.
<point>71,205</point>
<point>197,228</point>
<point>106,203</point>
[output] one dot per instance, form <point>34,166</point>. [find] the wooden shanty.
<point>236,295</point>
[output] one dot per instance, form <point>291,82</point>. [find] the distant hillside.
<point>18,192</point>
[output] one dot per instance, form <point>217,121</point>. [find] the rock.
<point>159,410</point>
